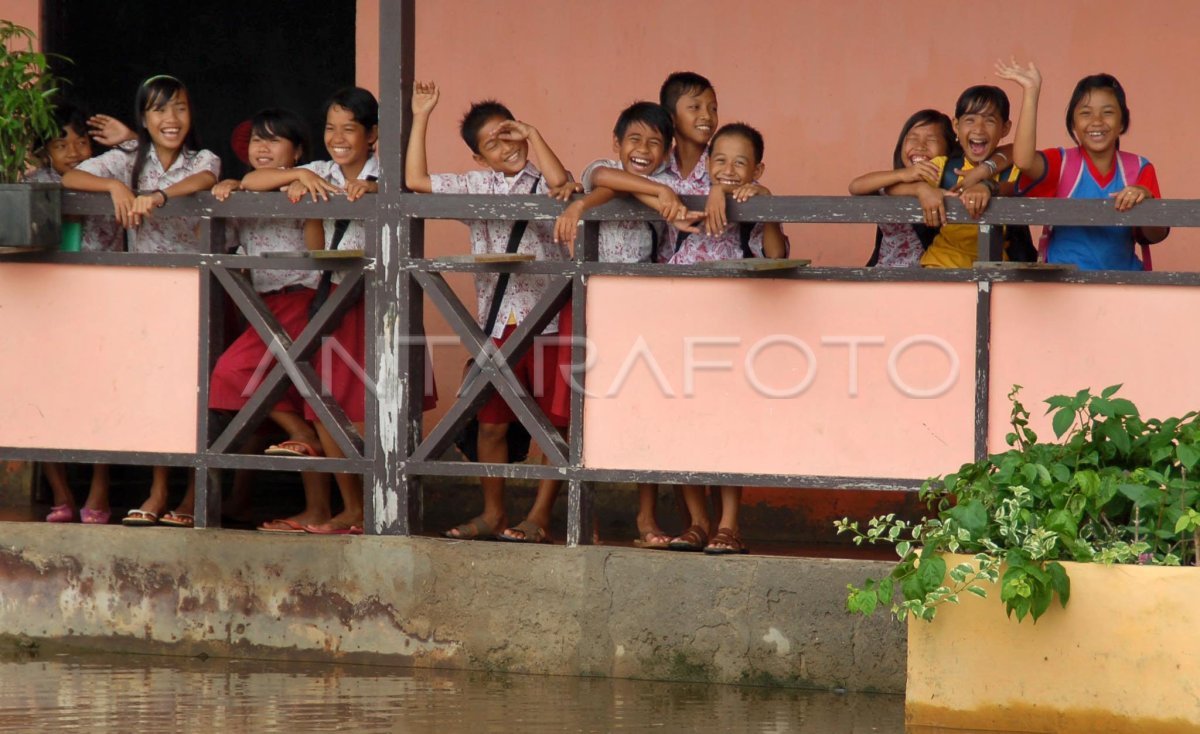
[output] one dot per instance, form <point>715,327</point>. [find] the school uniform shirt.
<point>696,183</point>
<point>355,237</point>
<point>627,241</point>
<point>1091,248</point>
<point>157,234</point>
<point>100,234</point>
<point>957,245</point>
<point>491,237</point>
<point>683,248</point>
<point>258,236</point>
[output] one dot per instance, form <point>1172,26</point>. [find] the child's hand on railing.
<point>1130,196</point>
<point>715,220</point>
<point>746,191</point>
<point>310,183</point>
<point>123,200</point>
<point>224,188</point>
<point>565,191</point>
<point>669,204</point>
<point>568,223</point>
<point>933,204</point>
<point>356,188</point>
<point>975,199</point>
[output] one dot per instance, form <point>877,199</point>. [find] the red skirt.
<point>339,367</point>
<point>560,391</point>
<point>246,362</point>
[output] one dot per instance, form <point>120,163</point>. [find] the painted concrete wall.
<point>22,12</point>
<point>436,603</point>
<point>98,357</point>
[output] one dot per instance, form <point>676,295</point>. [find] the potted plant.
<point>1085,539</point>
<point>29,213</point>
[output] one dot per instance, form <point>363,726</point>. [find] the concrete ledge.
<point>437,603</point>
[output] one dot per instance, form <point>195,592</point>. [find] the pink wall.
<point>100,358</point>
<point>786,400</point>
<point>1057,339</point>
<point>22,12</point>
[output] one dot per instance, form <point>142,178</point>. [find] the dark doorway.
<point>235,56</point>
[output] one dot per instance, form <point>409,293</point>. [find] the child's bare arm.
<point>145,204</point>
<point>314,234</point>
<point>224,188</point>
<point>568,221</point>
<point>270,179</point>
<point>1025,155</point>
<point>872,183</point>
<point>552,169</point>
<point>999,160</point>
<point>774,241</point>
<point>123,198</point>
<point>416,165</point>
<point>108,130</point>
<point>657,196</point>
<point>932,200</point>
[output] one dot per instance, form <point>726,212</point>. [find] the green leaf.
<point>931,572</point>
<point>886,590</point>
<point>978,591</point>
<point>1040,601</point>
<point>1111,390</point>
<point>1063,420</point>
<point>1121,406</point>
<point>1059,581</point>
<point>1188,455</point>
<point>971,515</point>
<point>1063,523</point>
<point>1141,495</point>
<point>1060,472</point>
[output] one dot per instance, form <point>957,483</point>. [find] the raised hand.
<point>425,97</point>
<point>108,130</point>
<point>514,130</point>
<point>1027,77</point>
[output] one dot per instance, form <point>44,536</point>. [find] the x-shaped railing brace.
<point>491,368</point>
<point>292,361</point>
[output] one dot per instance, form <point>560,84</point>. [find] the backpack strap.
<point>745,230</point>
<point>325,284</point>
<point>653,241</point>
<point>514,243</point>
<point>949,177</point>
<point>1070,171</point>
<point>1131,167</point>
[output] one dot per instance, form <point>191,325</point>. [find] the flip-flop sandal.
<point>94,517</point>
<point>693,539</point>
<point>326,529</point>
<point>530,532</point>
<point>178,520</point>
<point>284,525</point>
<point>724,543</point>
<point>139,519</point>
<point>653,541</point>
<point>474,529</point>
<point>61,513</point>
<point>294,448</point>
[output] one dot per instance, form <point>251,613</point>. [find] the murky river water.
<point>136,694</point>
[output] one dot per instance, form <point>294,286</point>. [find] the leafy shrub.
<point>1115,488</point>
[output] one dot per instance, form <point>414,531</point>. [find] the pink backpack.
<point>1129,165</point>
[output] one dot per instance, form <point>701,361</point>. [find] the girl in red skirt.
<point>277,141</point>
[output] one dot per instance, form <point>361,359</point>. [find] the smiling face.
<point>980,132</point>
<point>68,151</point>
<point>1096,121</point>
<point>347,140</point>
<point>732,161</point>
<point>506,156</point>
<point>695,116</point>
<point>642,150</point>
<point>923,142</point>
<point>168,122</point>
<point>272,151</point>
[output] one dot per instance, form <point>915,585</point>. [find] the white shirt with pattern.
<point>157,234</point>
<point>626,241</point>
<point>355,237</point>
<point>257,236</point>
<point>491,236</point>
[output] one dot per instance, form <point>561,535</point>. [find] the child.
<point>734,163</point>
<point>692,102</point>
<point>642,141</point>
<point>980,121</point>
<point>502,145</point>
<point>1097,116</point>
<point>351,129</point>
<point>58,156</point>
<point>165,162</point>
<point>926,135</point>
<point>277,141</point>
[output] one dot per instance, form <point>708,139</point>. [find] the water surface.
<point>135,694</point>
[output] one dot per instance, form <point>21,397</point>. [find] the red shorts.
<point>339,367</point>
<point>245,364</point>
<point>535,371</point>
